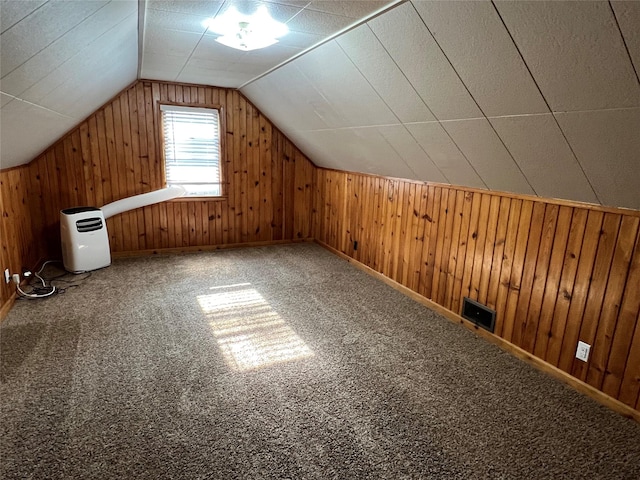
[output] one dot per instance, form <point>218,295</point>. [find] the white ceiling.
<point>179,47</point>
<point>60,60</point>
<point>528,97</point>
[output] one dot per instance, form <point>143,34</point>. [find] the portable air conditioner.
<point>85,242</point>
<point>83,230</point>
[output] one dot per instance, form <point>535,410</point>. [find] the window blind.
<point>192,149</point>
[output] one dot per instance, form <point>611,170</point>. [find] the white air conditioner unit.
<point>85,242</point>
<point>83,230</point>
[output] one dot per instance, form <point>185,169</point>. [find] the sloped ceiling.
<point>528,97</point>
<point>535,97</point>
<point>178,46</point>
<point>60,60</point>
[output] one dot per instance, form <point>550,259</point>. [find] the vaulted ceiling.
<point>539,98</point>
<point>59,62</point>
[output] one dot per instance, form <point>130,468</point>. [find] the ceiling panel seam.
<point>302,9</point>
<point>377,125</point>
<point>142,13</point>
<point>39,106</point>
<point>427,104</point>
<point>57,38</point>
<point>477,104</point>
<point>420,146</point>
<point>402,72</point>
<point>196,45</point>
<point>535,82</point>
<point>192,51</point>
<point>27,15</point>
<point>77,52</point>
<point>354,25</point>
<point>624,41</point>
<point>393,113</point>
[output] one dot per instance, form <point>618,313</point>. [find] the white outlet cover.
<point>582,352</point>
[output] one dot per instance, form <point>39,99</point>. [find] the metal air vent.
<point>479,314</point>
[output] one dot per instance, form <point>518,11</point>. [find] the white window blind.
<point>192,149</point>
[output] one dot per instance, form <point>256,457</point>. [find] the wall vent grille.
<point>479,314</point>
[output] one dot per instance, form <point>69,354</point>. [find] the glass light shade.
<point>247,32</point>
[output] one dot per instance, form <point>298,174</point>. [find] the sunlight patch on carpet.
<point>250,333</point>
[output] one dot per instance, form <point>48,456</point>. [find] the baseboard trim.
<point>582,387</point>
<point>203,248</point>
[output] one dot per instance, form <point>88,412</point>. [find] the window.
<point>191,140</point>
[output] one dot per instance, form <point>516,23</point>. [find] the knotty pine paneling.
<point>115,153</point>
<point>555,272</point>
<point>20,242</point>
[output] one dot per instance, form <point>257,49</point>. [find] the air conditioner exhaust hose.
<point>142,200</point>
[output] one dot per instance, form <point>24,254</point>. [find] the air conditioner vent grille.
<point>89,224</point>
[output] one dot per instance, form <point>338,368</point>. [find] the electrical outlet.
<point>7,276</point>
<point>582,352</point>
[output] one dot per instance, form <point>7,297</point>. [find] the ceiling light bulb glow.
<point>247,32</point>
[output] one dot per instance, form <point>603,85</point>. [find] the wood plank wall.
<point>20,246</point>
<point>115,153</point>
<point>555,272</point>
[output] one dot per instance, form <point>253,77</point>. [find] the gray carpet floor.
<point>279,362</point>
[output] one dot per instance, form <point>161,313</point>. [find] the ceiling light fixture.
<point>247,32</point>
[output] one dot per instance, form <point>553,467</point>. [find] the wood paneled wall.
<point>20,245</point>
<point>115,153</point>
<point>554,272</point>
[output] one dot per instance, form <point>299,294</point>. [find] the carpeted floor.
<point>279,362</point>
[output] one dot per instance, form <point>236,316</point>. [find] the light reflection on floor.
<point>250,333</point>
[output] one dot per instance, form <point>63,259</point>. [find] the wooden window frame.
<point>224,184</point>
